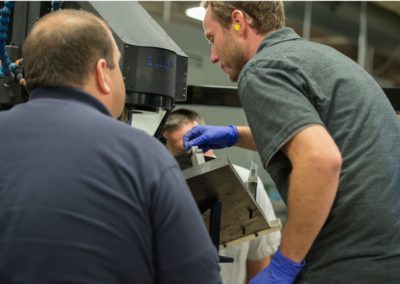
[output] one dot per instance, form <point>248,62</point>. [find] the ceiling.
<point>392,6</point>
<point>335,23</point>
<point>177,8</point>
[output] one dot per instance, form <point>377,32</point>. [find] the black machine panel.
<point>153,66</point>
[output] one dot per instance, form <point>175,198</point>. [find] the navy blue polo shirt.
<point>88,199</point>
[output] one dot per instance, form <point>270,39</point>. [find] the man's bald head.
<point>63,47</point>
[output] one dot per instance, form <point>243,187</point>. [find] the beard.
<point>234,59</point>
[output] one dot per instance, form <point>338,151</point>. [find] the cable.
<point>56,5</point>
<point>16,68</point>
<point>5,13</point>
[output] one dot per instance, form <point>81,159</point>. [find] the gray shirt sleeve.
<point>276,94</point>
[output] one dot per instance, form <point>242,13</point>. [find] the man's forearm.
<point>245,138</point>
<point>312,191</point>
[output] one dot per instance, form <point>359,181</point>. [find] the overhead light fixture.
<point>197,13</point>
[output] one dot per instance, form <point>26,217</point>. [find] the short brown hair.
<point>178,118</point>
<point>266,15</point>
<point>62,48</point>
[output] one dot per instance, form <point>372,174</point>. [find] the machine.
<point>153,66</point>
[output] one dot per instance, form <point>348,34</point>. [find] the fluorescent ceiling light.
<point>197,13</point>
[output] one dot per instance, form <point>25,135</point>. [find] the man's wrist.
<point>280,270</point>
<point>286,265</point>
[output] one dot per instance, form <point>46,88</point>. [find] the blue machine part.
<point>5,13</point>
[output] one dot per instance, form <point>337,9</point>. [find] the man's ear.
<point>238,21</point>
<point>102,79</point>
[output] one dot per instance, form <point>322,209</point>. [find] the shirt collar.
<point>278,36</point>
<point>68,94</point>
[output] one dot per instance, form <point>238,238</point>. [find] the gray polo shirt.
<point>291,84</point>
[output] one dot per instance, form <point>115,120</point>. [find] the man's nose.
<point>213,56</point>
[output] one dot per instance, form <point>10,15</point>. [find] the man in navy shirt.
<point>85,198</point>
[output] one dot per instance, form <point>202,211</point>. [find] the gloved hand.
<point>281,270</point>
<point>210,137</point>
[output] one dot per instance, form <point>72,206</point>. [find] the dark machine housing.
<point>153,66</point>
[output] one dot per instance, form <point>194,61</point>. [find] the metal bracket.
<point>197,156</point>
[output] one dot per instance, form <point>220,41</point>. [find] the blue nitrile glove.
<point>281,270</point>
<point>210,137</point>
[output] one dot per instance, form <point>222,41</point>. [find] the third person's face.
<point>175,139</point>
